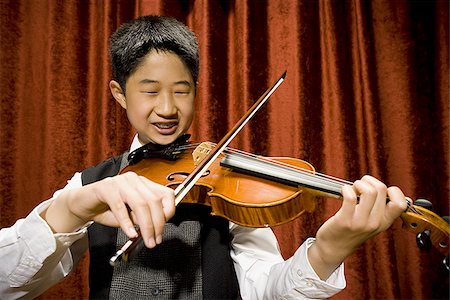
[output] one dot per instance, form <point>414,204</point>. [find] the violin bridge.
<point>201,152</point>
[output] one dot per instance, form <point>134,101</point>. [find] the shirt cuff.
<point>308,282</point>
<point>40,242</point>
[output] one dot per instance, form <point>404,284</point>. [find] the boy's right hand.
<point>119,201</point>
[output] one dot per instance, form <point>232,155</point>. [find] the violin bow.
<point>187,184</point>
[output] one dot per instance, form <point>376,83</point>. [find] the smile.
<point>165,128</point>
<point>165,125</point>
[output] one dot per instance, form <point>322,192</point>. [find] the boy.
<point>189,254</point>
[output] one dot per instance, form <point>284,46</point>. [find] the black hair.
<point>133,40</point>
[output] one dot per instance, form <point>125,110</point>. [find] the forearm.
<point>325,260</point>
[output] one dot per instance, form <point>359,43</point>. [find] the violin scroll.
<point>430,229</point>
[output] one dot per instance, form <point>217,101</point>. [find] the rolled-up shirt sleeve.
<point>264,274</point>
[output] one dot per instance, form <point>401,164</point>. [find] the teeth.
<point>165,125</point>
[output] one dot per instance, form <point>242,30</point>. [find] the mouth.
<point>166,128</point>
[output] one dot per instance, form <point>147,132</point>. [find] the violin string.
<point>311,173</point>
<point>410,206</point>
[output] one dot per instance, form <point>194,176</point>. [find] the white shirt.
<point>32,259</point>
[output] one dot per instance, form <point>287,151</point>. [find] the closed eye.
<point>182,87</point>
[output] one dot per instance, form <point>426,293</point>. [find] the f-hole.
<point>171,176</point>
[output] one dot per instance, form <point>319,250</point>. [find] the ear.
<point>118,93</point>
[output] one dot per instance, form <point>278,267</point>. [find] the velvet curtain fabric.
<point>366,92</point>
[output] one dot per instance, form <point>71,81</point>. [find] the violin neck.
<point>267,169</point>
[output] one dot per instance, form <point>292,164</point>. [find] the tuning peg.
<point>423,240</point>
<point>424,203</point>
<point>447,219</point>
<point>446,263</point>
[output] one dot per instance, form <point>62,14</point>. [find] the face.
<point>159,98</point>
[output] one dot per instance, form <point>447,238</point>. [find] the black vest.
<point>219,277</point>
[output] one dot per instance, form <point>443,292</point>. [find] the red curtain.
<point>366,92</point>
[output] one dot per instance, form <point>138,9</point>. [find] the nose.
<point>165,106</point>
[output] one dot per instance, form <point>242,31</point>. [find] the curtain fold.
<point>366,92</point>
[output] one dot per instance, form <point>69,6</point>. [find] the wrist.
<point>325,258</point>
<point>59,216</point>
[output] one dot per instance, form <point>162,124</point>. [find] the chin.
<point>160,140</point>
<point>164,140</point>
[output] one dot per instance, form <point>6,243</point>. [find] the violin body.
<point>240,198</point>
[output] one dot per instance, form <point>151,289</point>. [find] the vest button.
<point>156,291</point>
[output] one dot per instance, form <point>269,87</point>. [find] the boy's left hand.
<point>365,212</point>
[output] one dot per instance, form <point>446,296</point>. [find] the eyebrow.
<point>184,82</point>
<point>145,81</point>
<point>148,81</point>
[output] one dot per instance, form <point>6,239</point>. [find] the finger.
<point>120,212</point>
<point>145,221</point>
<point>133,216</point>
<point>397,203</point>
<point>349,201</point>
<point>169,205</point>
<point>162,208</point>
<point>165,195</point>
<point>367,196</point>
<point>156,208</point>
<point>381,196</point>
<point>135,194</point>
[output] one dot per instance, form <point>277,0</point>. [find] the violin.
<point>256,191</point>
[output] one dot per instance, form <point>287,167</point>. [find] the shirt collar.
<point>135,144</point>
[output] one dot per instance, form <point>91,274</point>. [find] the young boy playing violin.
<point>188,253</point>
